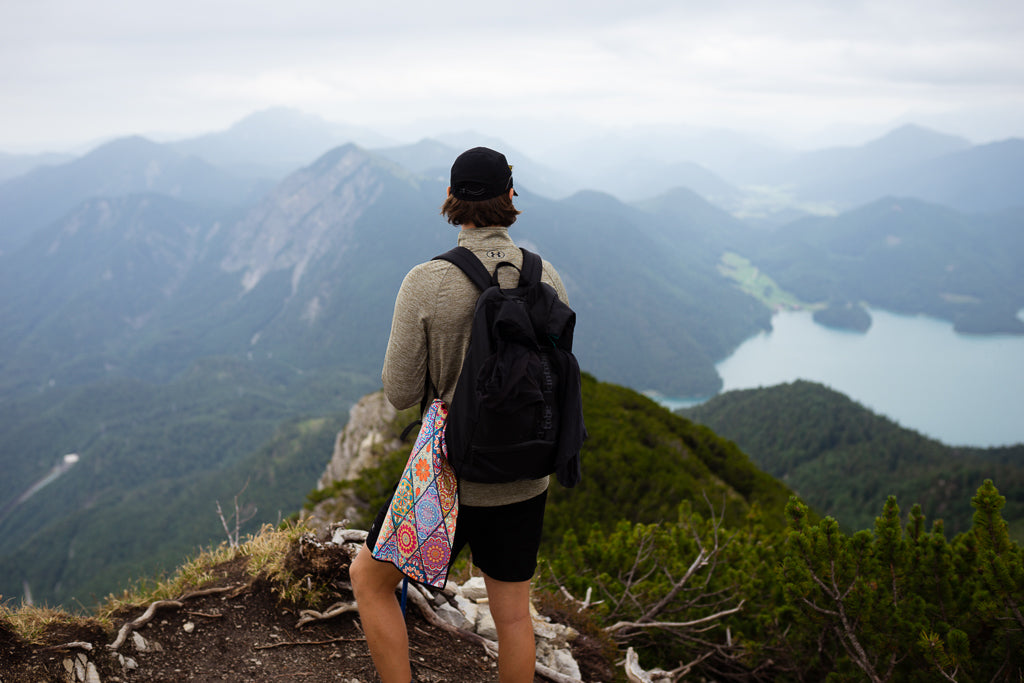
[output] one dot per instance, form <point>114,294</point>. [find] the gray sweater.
<point>430,332</point>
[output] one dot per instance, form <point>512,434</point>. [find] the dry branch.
<point>339,639</point>
<point>147,616</point>
<point>79,644</point>
<point>630,625</point>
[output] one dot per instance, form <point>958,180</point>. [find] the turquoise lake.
<point>959,389</point>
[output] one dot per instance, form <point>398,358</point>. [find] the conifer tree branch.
<point>698,562</point>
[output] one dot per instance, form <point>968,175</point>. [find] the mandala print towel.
<point>418,531</point>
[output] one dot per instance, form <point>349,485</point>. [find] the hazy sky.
<point>74,71</point>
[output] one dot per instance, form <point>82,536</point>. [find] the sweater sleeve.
<point>551,277</point>
<point>405,361</point>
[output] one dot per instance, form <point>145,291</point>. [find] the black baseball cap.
<point>480,173</point>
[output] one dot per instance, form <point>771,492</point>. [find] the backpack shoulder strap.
<point>469,264</point>
<point>532,268</point>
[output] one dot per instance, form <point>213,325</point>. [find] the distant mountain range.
<point>730,169</point>
<point>913,162</point>
<point>125,272</point>
<point>115,253</point>
<point>275,142</point>
<point>13,165</point>
<point>168,306</point>
<point>122,167</point>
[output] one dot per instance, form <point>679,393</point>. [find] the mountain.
<point>911,162</point>
<point>146,284</point>
<point>750,178</point>
<point>823,171</point>
<point>980,179</point>
<point>427,157</point>
<point>646,299</point>
<point>847,176</point>
<point>124,166</point>
<point>274,142</point>
<point>845,460</point>
<point>97,277</point>
<point>635,178</point>
<point>12,165</point>
<point>143,285</point>
<point>719,544</point>
<point>906,256</point>
<point>689,219</point>
<point>432,158</point>
<point>739,158</point>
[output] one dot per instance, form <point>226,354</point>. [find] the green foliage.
<point>845,461</point>
<point>641,461</point>
<point>895,603</point>
<point>144,491</point>
<point>904,604</point>
<point>755,283</point>
<point>671,589</point>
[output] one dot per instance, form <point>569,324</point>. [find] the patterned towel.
<point>417,533</point>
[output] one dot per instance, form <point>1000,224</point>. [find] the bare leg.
<point>374,585</point>
<point>510,607</point>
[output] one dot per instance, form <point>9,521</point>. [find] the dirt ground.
<point>247,634</point>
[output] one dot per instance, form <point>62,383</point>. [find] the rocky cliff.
<point>372,430</point>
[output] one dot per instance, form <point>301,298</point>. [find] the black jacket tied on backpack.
<point>517,411</point>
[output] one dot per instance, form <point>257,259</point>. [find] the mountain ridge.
<point>122,166</point>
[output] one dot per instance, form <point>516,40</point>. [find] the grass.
<point>265,553</point>
<point>32,622</point>
<point>755,283</point>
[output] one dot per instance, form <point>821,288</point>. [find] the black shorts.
<point>503,540</point>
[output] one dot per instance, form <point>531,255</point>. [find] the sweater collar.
<point>485,238</point>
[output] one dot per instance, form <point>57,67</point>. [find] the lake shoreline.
<point>962,390</point>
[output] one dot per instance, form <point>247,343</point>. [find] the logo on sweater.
<point>496,254</point>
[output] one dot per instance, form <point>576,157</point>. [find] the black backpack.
<point>517,411</point>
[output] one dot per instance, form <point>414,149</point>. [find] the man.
<point>430,333</point>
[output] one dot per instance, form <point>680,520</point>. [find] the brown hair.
<point>497,212</point>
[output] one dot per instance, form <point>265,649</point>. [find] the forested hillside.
<point>675,544</point>
<point>639,463</point>
<point>153,462</point>
<point>845,461</point>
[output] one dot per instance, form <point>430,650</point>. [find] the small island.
<point>844,315</point>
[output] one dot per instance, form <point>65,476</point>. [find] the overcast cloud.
<point>73,72</point>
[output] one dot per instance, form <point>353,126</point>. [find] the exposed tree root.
<point>150,612</point>
<point>337,609</point>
